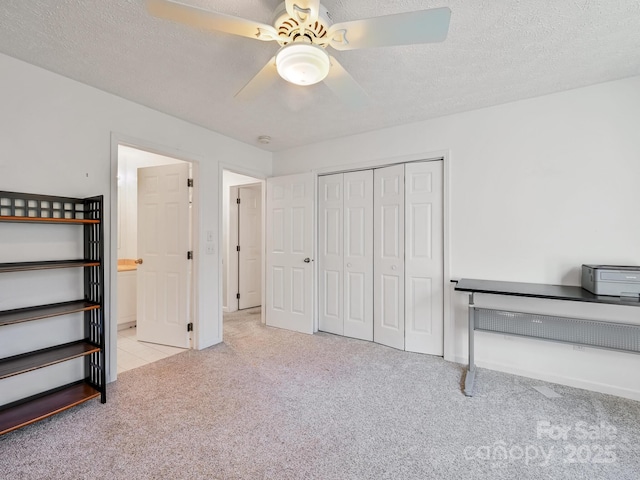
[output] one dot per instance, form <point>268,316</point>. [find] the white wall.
<point>56,138</point>
<point>537,188</point>
<point>229,179</point>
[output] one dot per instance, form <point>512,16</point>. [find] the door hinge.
<point>238,248</point>
<point>190,255</point>
<point>238,296</point>
<point>189,327</point>
<point>238,200</point>
<point>189,182</point>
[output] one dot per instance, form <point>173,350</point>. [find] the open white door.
<point>289,250</point>
<point>163,242</point>
<point>250,244</point>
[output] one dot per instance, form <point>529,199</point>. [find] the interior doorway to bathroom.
<point>242,241</point>
<point>155,276</point>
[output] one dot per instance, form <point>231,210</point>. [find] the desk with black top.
<point>592,333</point>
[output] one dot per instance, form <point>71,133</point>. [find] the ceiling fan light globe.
<point>302,63</point>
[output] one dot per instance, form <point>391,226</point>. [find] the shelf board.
<point>84,221</point>
<point>19,315</point>
<point>27,362</point>
<point>46,265</point>
<point>44,405</point>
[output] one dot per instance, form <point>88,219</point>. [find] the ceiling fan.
<point>304,29</point>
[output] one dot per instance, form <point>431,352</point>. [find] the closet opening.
<point>380,255</point>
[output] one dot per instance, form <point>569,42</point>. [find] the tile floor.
<point>134,354</point>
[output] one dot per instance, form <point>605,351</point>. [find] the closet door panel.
<point>330,258</point>
<point>389,265</point>
<point>358,254</point>
<point>424,260</point>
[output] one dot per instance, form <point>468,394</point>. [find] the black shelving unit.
<point>54,210</point>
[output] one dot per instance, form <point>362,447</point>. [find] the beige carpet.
<point>273,404</point>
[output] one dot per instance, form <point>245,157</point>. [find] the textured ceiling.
<point>496,52</point>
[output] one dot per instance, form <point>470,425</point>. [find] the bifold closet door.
<point>330,254</point>
<point>381,256</point>
<point>388,227</point>
<point>358,254</point>
<point>424,296</point>
<point>346,254</point>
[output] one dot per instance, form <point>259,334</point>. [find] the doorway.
<point>136,309</point>
<point>242,241</point>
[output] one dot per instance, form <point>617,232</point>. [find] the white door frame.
<point>111,256</point>
<point>261,177</point>
<point>229,303</point>
<point>445,156</point>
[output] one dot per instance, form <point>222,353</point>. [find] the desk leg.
<point>471,370</point>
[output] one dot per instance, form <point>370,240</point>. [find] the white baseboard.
<point>559,379</point>
<point>124,326</point>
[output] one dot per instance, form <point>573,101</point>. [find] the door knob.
<point>348,265</point>
<point>138,261</point>
<point>393,267</point>
<point>307,260</point>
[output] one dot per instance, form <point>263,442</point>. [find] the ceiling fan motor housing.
<point>289,28</point>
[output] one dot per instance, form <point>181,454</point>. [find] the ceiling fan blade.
<point>344,86</point>
<point>306,11</point>
<point>261,82</point>
<point>206,19</point>
<point>424,26</point>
